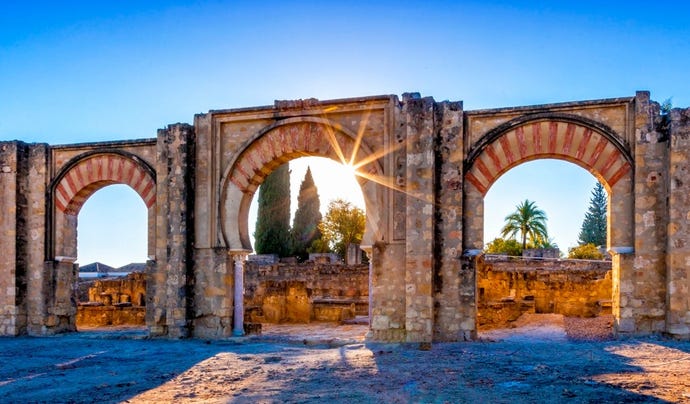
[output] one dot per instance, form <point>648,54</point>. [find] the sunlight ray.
<point>332,139</point>
<point>360,134</point>
<point>375,156</point>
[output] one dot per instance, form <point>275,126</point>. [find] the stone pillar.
<point>455,308</point>
<point>621,218</point>
<point>12,279</point>
<point>213,303</point>
<point>173,280</point>
<point>36,191</point>
<point>648,300</point>
<point>473,218</point>
<point>420,216</point>
<point>61,293</point>
<point>623,293</point>
<point>678,250</point>
<point>368,251</point>
<point>22,237</point>
<point>239,258</point>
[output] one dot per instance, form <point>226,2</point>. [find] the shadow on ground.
<point>327,365</point>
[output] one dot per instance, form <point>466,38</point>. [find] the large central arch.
<point>277,144</point>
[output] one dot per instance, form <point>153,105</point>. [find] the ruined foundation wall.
<point>301,293</point>
<point>509,287</point>
<point>110,302</point>
<point>128,289</point>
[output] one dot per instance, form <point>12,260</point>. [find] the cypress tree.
<point>594,225</point>
<point>272,234</point>
<point>307,217</point>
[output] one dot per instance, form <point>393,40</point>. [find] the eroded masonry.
<point>425,167</point>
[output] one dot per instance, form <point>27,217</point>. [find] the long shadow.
<point>75,368</point>
<point>84,367</point>
<point>471,372</point>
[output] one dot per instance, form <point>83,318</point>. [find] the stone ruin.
<point>425,167</point>
<point>108,302</point>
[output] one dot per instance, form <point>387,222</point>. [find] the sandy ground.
<point>542,359</point>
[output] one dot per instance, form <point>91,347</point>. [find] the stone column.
<point>239,258</point>
<point>368,251</point>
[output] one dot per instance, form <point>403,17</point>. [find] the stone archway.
<point>80,178</point>
<point>86,174</point>
<point>278,144</point>
<point>564,137</point>
<point>573,139</point>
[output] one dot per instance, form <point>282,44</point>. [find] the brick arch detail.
<point>565,140</point>
<point>277,144</point>
<point>86,175</point>
<point>290,139</point>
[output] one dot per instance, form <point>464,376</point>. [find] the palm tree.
<point>529,220</point>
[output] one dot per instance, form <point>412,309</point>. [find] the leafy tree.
<point>503,246</point>
<point>587,252</point>
<point>529,221</point>
<point>343,225</point>
<point>594,225</point>
<point>546,242</point>
<point>272,234</point>
<point>307,217</point>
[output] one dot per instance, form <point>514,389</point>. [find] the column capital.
<point>368,249</point>
<point>239,254</point>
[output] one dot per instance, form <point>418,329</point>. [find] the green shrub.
<point>502,246</point>
<point>585,252</point>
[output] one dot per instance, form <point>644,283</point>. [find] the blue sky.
<point>91,71</point>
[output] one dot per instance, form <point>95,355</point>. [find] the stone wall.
<point>426,167</point>
<point>508,287</point>
<point>301,293</point>
<point>678,255</point>
<point>108,302</point>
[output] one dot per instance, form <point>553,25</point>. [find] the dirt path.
<point>322,363</point>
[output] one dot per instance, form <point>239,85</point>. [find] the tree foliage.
<point>585,252</point>
<point>594,225</point>
<point>502,246</point>
<point>305,226</point>
<point>529,221</point>
<point>272,234</point>
<point>343,225</point>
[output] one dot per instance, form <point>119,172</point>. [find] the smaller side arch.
<point>589,144</point>
<point>87,173</point>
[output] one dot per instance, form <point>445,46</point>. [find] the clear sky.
<point>75,71</point>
